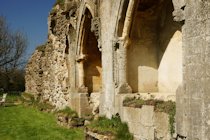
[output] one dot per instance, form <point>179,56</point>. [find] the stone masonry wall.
<point>145,124</point>
<point>193,115</point>
<point>46,72</point>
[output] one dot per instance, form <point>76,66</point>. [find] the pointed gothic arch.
<point>153,48</point>
<point>88,56</point>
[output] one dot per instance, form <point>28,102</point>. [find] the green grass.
<point>112,126</point>
<point>27,123</point>
<point>11,98</point>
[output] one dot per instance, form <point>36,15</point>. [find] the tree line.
<point>13,45</point>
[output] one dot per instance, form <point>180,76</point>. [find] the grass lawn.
<point>26,123</point>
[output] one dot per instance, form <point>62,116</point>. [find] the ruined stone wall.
<point>85,53</point>
<point>33,78</point>
<point>193,96</point>
<point>46,72</point>
<point>59,72</point>
<point>147,124</point>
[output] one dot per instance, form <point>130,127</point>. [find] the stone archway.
<point>89,60</point>
<point>155,52</point>
<point>151,47</point>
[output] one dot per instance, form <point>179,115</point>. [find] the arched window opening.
<point>92,62</point>
<point>155,52</point>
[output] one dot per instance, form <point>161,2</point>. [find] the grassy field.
<point>26,123</point>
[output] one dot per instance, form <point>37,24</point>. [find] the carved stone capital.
<point>124,41</point>
<point>124,88</point>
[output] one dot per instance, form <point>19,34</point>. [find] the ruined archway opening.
<point>155,52</point>
<point>92,63</point>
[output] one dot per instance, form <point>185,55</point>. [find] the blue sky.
<point>28,16</point>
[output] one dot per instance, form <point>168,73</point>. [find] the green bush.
<point>43,106</point>
<point>60,2</point>
<point>68,112</point>
<point>71,118</point>
<point>35,102</point>
<point>53,11</point>
<point>112,126</point>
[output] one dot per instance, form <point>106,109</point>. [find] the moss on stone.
<point>53,11</point>
<point>60,2</point>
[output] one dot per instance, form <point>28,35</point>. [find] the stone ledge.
<point>154,95</point>
<point>91,135</point>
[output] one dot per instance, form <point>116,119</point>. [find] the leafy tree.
<point>13,45</point>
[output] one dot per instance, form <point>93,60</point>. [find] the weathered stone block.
<point>148,118</point>
<point>131,114</point>
<point>162,126</point>
<point>147,79</point>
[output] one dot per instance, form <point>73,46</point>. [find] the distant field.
<point>25,123</point>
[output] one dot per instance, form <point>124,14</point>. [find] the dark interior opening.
<point>122,18</point>
<point>92,65</point>
<point>67,46</point>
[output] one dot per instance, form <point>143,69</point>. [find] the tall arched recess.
<point>154,55</point>
<point>90,57</point>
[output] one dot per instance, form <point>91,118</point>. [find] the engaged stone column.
<point>81,74</point>
<point>124,42</point>
<point>123,83</point>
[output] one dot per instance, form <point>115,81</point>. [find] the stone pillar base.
<point>80,103</point>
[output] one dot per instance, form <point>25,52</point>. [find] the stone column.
<point>124,42</point>
<point>122,60</point>
<point>81,74</point>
